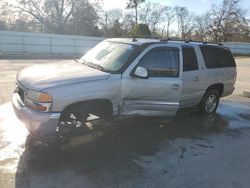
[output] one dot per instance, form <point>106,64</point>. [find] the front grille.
<point>20,92</point>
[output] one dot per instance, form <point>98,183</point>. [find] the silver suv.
<point>124,77</point>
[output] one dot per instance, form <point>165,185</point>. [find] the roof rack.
<point>144,37</point>
<point>188,41</point>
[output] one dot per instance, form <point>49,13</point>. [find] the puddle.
<point>237,115</point>
<point>12,137</point>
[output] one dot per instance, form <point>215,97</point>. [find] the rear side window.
<point>189,59</point>
<point>161,62</point>
<point>227,59</point>
<point>217,57</point>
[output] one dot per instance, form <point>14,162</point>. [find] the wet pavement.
<point>189,151</point>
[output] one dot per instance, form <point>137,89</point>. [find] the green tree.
<point>142,30</point>
<point>116,30</point>
<point>3,25</point>
<point>83,20</point>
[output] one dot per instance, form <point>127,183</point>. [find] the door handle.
<point>196,78</point>
<point>175,86</point>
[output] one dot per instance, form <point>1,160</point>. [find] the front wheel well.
<point>98,107</point>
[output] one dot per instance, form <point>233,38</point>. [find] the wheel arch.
<point>101,107</point>
<point>218,86</point>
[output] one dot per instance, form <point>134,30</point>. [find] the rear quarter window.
<point>217,57</point>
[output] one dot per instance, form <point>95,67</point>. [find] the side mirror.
<point>141,72</point>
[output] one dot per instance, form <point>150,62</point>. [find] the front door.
<point>159,94</point>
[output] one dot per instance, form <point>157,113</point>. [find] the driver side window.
<point>161,62</point>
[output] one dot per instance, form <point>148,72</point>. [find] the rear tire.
<point>210,102</point>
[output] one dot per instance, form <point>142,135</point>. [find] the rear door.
<point>220,67</point>
<point>159,94</point>
<point>191,90</point>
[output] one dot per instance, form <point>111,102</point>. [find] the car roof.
<point>143,41</point>
<point>135,41</point>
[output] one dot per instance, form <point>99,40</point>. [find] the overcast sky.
<point>197,6</point>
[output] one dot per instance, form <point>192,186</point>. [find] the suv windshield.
<point>109,56</point>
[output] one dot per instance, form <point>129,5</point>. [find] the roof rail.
<point>180,40</point>
<point>188,41</point>
<point>134,38</point>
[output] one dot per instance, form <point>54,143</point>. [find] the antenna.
<point>134,39</point>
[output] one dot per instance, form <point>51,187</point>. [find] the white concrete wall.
<point>45,44</point>
<point>20,43</point>
<point>238,47</point>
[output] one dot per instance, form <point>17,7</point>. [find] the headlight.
<point>39,96</point>
<point>39,101</point>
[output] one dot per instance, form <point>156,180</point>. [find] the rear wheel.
<point>210,102</point>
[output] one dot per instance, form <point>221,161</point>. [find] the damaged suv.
<point>124,77</point>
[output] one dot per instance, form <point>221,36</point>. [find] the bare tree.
<point>152,14</point>
<point>185,22</point>
<point>145,11</point>
<point>7,16</point>
<point>134,4</point>
<point>112,23</point>
<point>128,21</point>
<point>53,14</point>
<point>169,15</point>
<point>113,15</point>
<point>201,27</point>
<point>227,21</point>
<point>3,24</point>
<point>156,16</point>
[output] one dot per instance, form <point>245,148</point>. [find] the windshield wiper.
<point>98,67</point>
<point>86,63</point>
<point>95,66</point>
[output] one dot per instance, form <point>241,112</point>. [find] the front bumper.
<point>42,123</point>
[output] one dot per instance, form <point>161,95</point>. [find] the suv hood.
<point>40,77</point>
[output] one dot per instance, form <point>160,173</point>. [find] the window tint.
<point>226,58</point>
<point>217,57</point>
<point>189,59</point>
<point>161,62</point>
